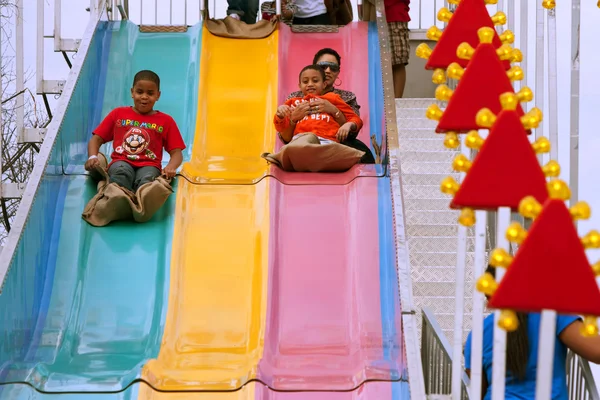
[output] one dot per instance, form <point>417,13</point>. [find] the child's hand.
<point>169,171</point>
<point>342,133</point>
<point>283,111</point>
<point>91,164</point>
<point>301,111</point>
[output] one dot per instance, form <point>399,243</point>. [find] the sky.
<point>75,19</point>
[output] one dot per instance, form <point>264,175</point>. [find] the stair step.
<point>440,305</point>
<point>419,260</point>
<point>428,244</point>
<point>426,192</point>
<point>419,204</point>
<point>418,112</point>
<point>417,103</point>
<point>419,123</point>
<point>431,217</point>
<point>426,168</point>
<point>416,132</point>
<point>435,230</point>
<point>439,289</point>
<point>425,144</point>
<point>427,156</point>
<point>442,275</point>
<point>426,179</point>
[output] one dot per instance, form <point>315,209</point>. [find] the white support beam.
<point>60,44</point>
<point>32,135</point>
<point>51,87</point>
<point>69,45</point>
<point>12,190</point>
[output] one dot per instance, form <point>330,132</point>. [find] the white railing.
<point>187,12</point>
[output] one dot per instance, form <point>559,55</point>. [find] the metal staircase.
<point>431,226</point>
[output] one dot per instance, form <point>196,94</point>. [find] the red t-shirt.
<point>397,10</point>
<point>139,139</point>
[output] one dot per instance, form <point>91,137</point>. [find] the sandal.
<point>271,160</point>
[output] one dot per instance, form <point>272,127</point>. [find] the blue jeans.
<point>126,175</point>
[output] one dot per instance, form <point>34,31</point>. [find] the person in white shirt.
<point>311,12</point>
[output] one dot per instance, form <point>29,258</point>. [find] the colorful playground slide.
<point>251,283</point>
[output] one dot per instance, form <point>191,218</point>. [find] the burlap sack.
<point>232,28</point>
<point>306,154</point>
<point>114,203</point>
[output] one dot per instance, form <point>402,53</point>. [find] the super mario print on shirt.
<point>139,139</point>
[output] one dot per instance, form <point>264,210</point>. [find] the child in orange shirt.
<point>300,118</point>
<point>298,115</point>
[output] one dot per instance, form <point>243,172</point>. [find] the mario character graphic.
<point>135,143</point>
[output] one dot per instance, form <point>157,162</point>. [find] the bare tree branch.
<point>17,159</point>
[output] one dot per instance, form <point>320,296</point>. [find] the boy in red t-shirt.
<point>139,134</point>
<point>298,115</point>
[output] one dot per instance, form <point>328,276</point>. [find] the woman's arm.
<point>349,114</point>
<point>586,347</point>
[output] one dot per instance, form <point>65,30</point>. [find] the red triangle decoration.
<point>504,171</point>
<point>469,16</point>
<point>550,270</point>
<point>480,87</point>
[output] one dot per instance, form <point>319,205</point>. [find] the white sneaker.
<point>235,16</point>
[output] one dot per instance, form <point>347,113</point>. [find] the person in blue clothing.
<point>522,354</point>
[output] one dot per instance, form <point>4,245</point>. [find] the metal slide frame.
<point>30,192</point>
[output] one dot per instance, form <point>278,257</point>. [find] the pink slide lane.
<point>368,391</point>
<point>324,324</point>
<point>296,51</point>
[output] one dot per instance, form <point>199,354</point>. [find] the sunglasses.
<point>328,64</point>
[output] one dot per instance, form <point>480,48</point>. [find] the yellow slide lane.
<point>248,392</point>
<point>238,89</point>
<point>214,333</point>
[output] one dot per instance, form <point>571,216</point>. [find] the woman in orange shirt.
<point>301,123</point>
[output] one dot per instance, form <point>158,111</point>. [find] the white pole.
<point>524,33</point>
<point>500,7</point>
<point>459,305</point>
<point>574,153</point>
<point>499,356</point>
<point>545,365</point>
<point>539,66</point>
<point>278,7</point>
<point>478,300</point>
<point>39,65</point>
<point>20,72</point>
<point>57,27</point>
<point>510,15</point>
<point>552,85</point>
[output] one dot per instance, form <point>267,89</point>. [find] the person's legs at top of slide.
<point>311,12</point>
<point>243,10</point>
